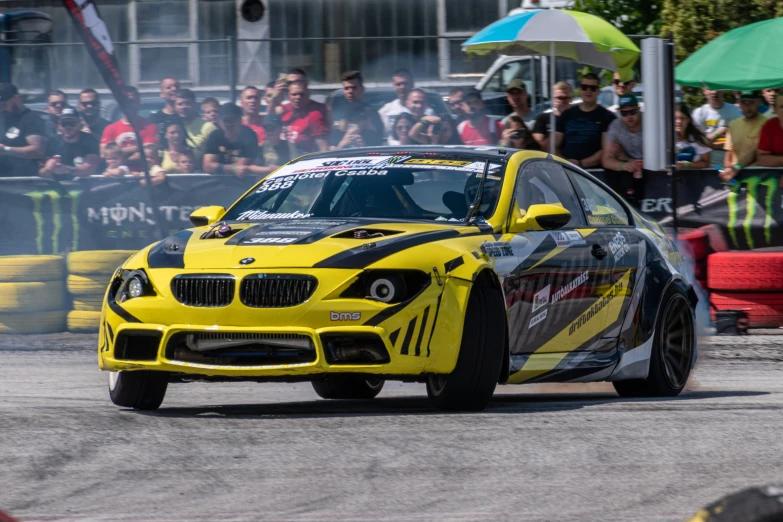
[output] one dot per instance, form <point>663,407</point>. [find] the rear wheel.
<point>348,388</point>
<point>471,385</point>
<point>140,390</point>
<point>672,352</point>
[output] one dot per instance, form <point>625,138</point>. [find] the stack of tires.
<point>32,294</point>
<point>89,273</point>
<point>695,246</point>
<point>749,281</point>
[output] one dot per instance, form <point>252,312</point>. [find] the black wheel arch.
<point>487,278</point>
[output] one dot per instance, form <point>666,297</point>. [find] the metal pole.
<point>232,67</point>
<point>673,140</point>
<point>552,131</point>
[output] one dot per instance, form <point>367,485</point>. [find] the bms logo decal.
<point>537,319</point>
<point>345,316</point>
<point>541,298</point>
<point>619,246</point>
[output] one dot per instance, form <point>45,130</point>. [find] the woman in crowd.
<point>400,130</point>
<point>517,135</point>
<point>693,150</point>
<point>175,138</point>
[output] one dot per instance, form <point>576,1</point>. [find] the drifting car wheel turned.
<point>672,352</point>
<point>471,385</point>
<point>348,388</point>
<point>140,390</point>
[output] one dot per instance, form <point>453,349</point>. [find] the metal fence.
<point>225,65</point>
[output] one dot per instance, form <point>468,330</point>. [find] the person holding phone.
<point>516,135</point>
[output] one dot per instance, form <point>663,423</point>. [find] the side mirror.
<point>206,215</point>
<point>541,217</point>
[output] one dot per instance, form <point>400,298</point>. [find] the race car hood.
<point>298,243</point>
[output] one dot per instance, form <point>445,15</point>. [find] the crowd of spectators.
<point>277,122</point>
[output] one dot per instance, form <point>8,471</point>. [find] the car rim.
<point>438,383</point>
<point>113,378</point>
<point>677,342</point>
<point>374,384</point>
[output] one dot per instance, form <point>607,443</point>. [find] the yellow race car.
<point>461,267</point>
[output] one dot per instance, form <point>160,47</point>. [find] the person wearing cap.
<point>232,148</point>
<point>22,132</point>
<point>478,129</point>
<point>519,99</point>
<point>623,150</point>
<point>742,138</point>
<point>72,153</point>
<point>581,130</point>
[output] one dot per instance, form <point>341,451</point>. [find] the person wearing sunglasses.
<point>455,99</point>
<point>623,87</point>
<point>90,109</point>
<point>72,153</point>
<point>581,130</point>
<point>623,150</point>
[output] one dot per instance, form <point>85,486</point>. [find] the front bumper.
<point>423,336</point>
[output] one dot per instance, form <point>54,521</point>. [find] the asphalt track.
<point>236,452</point>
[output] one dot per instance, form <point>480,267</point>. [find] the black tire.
<point>140,390</point>
<point>348,387</point>
<point>471,385</point>
<point>672,351</point>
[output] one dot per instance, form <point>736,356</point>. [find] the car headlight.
<point>131,284</point>
<point>388,286</point>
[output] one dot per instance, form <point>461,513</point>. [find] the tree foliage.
<point>630,16</point>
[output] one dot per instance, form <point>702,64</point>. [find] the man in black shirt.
<point>90,108</point>
<point>168,114</point>
<point>562,101</point>
<point>356,124</point>
<point>22,133</point>
<point>581,130</point>
<point>72,153</point>
<point>232,148</point>
<point>275,152</point>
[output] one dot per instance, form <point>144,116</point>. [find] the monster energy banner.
<point>43,217</point>
<point>40,216</point>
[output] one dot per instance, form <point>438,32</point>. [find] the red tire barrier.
<point>746,271</point>
<point>696,244</point>
<point>764,310</point>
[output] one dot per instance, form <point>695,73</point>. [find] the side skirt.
<point>573,367</point>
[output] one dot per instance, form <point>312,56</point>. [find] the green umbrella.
<point>747,58</point>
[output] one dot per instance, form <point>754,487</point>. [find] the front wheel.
<point>672,352</point>
<point>471,385</point>
<point>348,388</point>
<point>140,390</point>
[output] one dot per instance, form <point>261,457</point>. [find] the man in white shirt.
<point>402,80</point>
<point>713,118</point>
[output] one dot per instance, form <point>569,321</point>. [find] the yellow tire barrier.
<point>32,297</point>
<point>32,323</point>
<point>27,269</point>
<point>88,286</point>
<point>83,322</point>
<point>97,262</point>
<point>88,304</point>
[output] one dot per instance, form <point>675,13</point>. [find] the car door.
<point>557,271</point>
<point>613,226</point>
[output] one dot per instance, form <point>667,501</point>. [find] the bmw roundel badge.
<point>247,261</point>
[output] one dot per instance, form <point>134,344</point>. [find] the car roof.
<point>480,153</point>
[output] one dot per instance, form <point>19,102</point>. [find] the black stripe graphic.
<point>360,257</point>
<point>417,351</point>
<point>434,321</point>
<point>393,337</point>
<point>408,335</point>
<point>117,309</point>
<point>454,264</point>
<point>170,253</point>
<point>111,332</point>
<point>476,255</point>
<point>239,236</point>
<point>385,314</point>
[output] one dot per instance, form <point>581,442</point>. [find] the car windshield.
<point>384,186</point>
